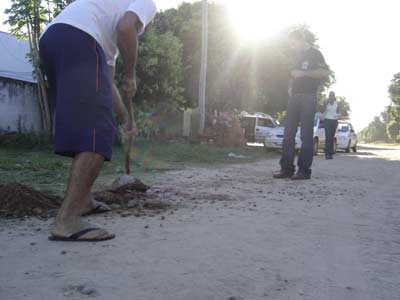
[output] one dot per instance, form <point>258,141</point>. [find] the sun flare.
<point>256,20</point>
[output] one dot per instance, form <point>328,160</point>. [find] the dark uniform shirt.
<point>308,60</point>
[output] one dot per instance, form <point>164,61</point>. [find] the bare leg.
<point>84,171</point>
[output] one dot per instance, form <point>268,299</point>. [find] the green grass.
<point>48,172</point>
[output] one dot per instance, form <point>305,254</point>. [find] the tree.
<point>393,131</point>
<point>344,107</point>
<point>239,77</point>
<point>159,72</point>
<point>394,93</point>
<point>376,131</point>
<point>59,5</point>
<point>27,19</point>
<point>203,67</point>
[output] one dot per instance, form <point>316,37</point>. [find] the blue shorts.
<point>80,82</point>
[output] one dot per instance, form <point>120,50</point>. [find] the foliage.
<point>394,92</point>
<point>59,5</point>
<point>393,131</point>
<point>376,131</point>
<point>25,141</point>
<point>160,78</point>
<point>344,107</point>
<point>159,70</point>
<point>242,77</point>
<point>27,16</point>
<point>280,116</point>
<point>145,124</point>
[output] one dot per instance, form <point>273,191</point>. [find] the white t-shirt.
<point>331,111</point>
<point>99,18</point>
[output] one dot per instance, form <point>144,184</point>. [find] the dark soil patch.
<point>17,200</point>
<point>128,201</point>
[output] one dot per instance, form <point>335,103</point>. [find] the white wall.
<point>19,107</point>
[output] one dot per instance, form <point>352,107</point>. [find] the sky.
<point>360,40</point>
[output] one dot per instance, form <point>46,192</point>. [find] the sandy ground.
<point>237,235</point>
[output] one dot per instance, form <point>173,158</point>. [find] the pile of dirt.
<point>131,200</point>
<point>17,200</point>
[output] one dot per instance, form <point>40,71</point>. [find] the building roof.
<point>14,63</point>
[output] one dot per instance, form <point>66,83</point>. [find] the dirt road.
<point>237,234</point>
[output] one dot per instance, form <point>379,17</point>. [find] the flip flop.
<point>76,237</point>
<point>99,209</point>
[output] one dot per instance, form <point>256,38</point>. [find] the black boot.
<point>282,174</point>
<point>301,176</point>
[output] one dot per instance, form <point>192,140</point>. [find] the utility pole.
<point>203,69</point>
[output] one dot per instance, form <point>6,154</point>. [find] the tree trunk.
<point>203,71</point>
<point>42,91</point>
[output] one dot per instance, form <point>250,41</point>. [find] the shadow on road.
<point>378,148</point>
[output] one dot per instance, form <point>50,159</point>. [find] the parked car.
<point>257,126</point>
<point>347,137</point>
<point>319,136</point>
<point>274,139</point>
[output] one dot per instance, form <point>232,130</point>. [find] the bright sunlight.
<point>257,20</point>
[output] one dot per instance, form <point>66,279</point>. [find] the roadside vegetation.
<point>40,168</point>
<point>386,127</point>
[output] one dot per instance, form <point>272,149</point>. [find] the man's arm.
<point>127,41</point>
<point>119,106</point>
<point>315,74</point>
<point>319,72</point>
<point>128,124</point>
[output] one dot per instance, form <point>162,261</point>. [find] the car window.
<point>266,123</point>
<point>248,122</point>
<point>344,128</point>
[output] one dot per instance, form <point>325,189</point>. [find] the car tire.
<point>347,150</point>
<point>316,146</point>
<point>354,148</point>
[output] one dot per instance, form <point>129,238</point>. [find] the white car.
<point>319,136</point>
<point>257,126</point>
<point>347,137</point>
<point>274,138</point>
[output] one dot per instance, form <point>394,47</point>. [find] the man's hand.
<point>128,126</point>
<point>129,87</point>
<point>298,74</point>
